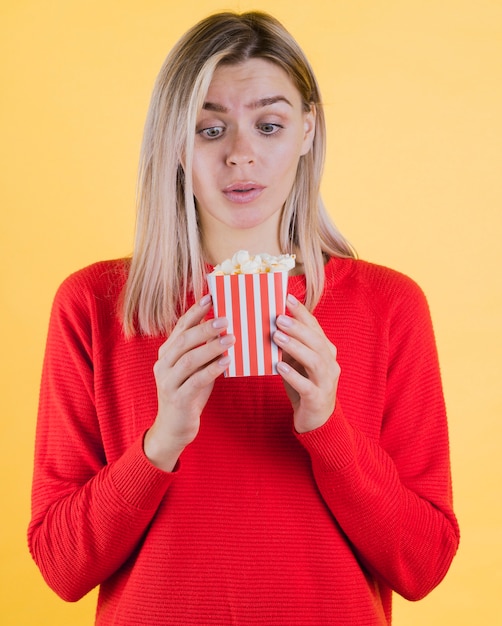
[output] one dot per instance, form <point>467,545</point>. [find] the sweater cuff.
<point>139,482</point>
<point>332,444</point>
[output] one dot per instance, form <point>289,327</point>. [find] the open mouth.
<point>243,192</point>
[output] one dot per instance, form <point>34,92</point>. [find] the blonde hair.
<point>167,263</point>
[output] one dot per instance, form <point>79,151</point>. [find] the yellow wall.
<point>414,103</point>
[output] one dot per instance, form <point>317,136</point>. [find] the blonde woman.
<point>193,498</point>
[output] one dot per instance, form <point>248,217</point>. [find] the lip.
<point>242,192</point>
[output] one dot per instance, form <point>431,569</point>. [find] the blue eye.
<point>269,128</point>
<point>213,132</point>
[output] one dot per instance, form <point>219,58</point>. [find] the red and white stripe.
<point>251,303</point>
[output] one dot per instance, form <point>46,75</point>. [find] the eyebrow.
<point>257,104</point>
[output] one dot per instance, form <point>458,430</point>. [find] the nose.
<point>240,149</point>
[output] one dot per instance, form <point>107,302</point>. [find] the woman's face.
<point>250,135</point>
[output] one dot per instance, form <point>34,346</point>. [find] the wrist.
<point>162,452</point>
<point>307,423</point>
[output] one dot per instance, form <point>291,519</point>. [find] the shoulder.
<point>92,293</point>
<point>102,280</point>
<point>384,290</point>
<point>370,275</point>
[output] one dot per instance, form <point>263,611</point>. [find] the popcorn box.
<point>251,303</point>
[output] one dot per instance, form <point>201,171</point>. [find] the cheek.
<point>205,164</point>
<point>200,173</point>
<point>288,154</point>
<point>286,163</point>
<point>199,190</point>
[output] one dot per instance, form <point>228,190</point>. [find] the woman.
<point>190,498</point>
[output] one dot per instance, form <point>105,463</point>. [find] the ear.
<point>309,128</point>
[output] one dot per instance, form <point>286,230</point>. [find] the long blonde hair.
<point>167,263</point>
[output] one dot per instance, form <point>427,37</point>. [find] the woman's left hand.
<point>309,367</point>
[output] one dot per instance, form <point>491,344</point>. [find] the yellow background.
<point>414,105</point>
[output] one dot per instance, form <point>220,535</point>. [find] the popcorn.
<point>250,291</point>
<point>243,263</point>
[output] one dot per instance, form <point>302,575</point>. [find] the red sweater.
<point>257,525</point>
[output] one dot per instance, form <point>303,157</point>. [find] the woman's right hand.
<point>189,362</point>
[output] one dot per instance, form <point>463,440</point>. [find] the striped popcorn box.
<point>251,303</point>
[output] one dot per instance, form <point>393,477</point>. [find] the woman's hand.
<point>309,367</point>
<point>188,364</point>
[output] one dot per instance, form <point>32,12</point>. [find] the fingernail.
<point>282,367</point>
<point>224,361</point>
<point>281,337</point>
<point>205,300</point>
<point>220,322</point>
<point>227,340</point>
<point>284,320</point>
<point>292,300</point>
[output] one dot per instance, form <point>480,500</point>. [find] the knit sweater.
<point>257,524</point>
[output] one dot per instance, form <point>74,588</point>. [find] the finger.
<point>306,344</point>
<point>195,313</point>
<point>174,373</point>
<point>181,342</point>
<point>190,331</point>
<point>305,356</point>
<point>201,356</point>
<point>308,333</point>
<point>313,403</point>
<point>206,375</point>
<point>303,386</point>
<point>300,312</point>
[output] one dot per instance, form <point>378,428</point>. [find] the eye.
<point>268,128</point>
<point>212,132</point>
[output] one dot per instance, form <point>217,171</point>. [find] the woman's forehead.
<point>255,83</point>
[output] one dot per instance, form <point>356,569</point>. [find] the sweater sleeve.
<point>87,515</point>
<point>393,497</point>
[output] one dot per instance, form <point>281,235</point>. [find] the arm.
<point>391,497</point>
<point>89,515</point>
<point>80,534</point>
